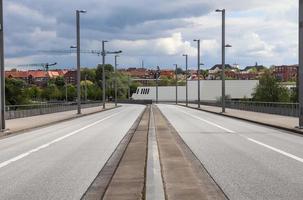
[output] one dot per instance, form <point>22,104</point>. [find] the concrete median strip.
<point>153,163</point>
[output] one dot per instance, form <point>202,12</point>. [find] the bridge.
<point>177,142</point>
<point>157,151</point>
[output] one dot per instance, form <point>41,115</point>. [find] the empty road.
<point>248,161</point>
<point>62,160</point>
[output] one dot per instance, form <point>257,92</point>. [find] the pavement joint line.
<point>23,155</point>
<point>252,140</point>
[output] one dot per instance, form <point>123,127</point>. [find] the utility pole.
<point>85,97</point>
<point>129,87</point>
<point>186,72</point>
<point>301,63</point>
<point>66,99</point>
<point>176,83</point>
<point>157,83</point>
<point>116,89</point>
<point>198,74</point>
<point>223,58</point>
<point>78,60</point>
<point>223,61</point>
<point>103,72</point>
<point>2,73</point>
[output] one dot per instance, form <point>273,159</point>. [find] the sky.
<point>156,31</point>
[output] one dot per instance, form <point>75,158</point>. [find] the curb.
<point>9,133</point>
<point>294,130</point>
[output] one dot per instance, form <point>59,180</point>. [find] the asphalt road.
<point>248,161</point>
<point>62,160</point>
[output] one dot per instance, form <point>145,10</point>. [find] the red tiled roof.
<point>38,74</point>
<point>16,74</point>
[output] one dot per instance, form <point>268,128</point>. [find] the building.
<point>214,73</point>
<point>41,77</point>
<point>286,73</point>
<point>70,77</point>
<point>23,75</point>
<point>210,91</point>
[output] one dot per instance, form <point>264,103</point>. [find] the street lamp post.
<point>85,94</point>
<point>129,95</point>
<point>78,59</point>
<point>116,89</point>
<point>223,58</point>
<point>176,65</point>
<point>157,83</point>
<point>198,73</point>
<point>301,63</point>
<point>186,72</point>
<point>103,72</point>
<point>2,73</point>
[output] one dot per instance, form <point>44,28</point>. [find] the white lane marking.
<point>209,122</point>
<point>277,150</point>
<point>252,140</point>
<point>23,155</point>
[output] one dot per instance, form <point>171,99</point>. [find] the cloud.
<point>155,30</point>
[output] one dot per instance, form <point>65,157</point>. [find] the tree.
<point>33,92</point>
<point>89,73</point>
<point>51,92</point>
<point>269,90</point>
<point>109,69</point>
<point>14,91</point>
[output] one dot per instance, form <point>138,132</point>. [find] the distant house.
<point>214,72</point>
<point>286,73</point>
<point>256,67</point>
<point>23,75</point>
<point>70,77</point>
<point>167,73</point>
<point>38,77</point>
<point>41,77</point>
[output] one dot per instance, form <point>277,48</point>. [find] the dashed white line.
<point>23,155</point>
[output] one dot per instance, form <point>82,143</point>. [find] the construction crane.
<point>45,66</point>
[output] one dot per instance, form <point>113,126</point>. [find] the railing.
<point>20,111</point>
<point>286,109</point>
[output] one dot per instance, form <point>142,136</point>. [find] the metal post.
<point>157,84</point>
<point>85,95</point>
<point>186,72</point>
<point>198,74</point>
<point>103,72</point>
<point>116,89</point>
<point>176,83</point>
<point>2,73</point>
<point>66,98</point>
<point>223,60</point>
<point>129,87</point>
<point>78,62</point>
<point>301,62</point>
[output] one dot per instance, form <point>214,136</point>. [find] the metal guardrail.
<point>21,111</point>
<point>286,109</point>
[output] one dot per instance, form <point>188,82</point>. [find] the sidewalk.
<point>276,121</point>
<point>23,124</point>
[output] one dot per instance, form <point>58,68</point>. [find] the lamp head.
<point>220,10</point>
<point>228,46</point>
